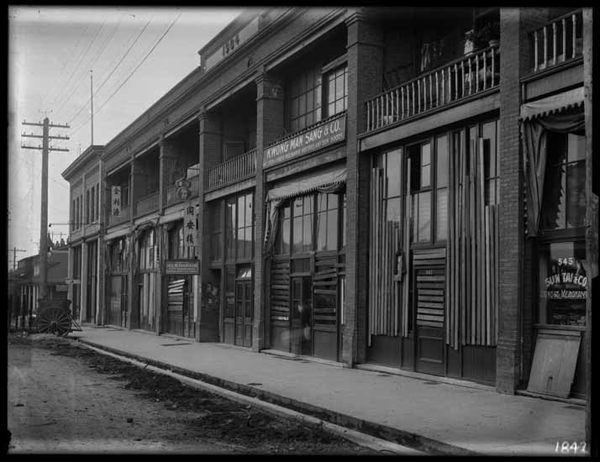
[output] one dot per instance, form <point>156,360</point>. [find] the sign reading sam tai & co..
<point>328,132</point>
<point>182,266</point>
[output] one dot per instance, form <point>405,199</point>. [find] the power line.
<point>71,58</point>
<point>113,71</point>
<point>137,67</point>
<point>98,55</point>
<point>66,86</point>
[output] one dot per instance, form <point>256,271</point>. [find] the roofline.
<point>94,150</point>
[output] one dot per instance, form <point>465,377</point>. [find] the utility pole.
<point>15,250</point>
<point>44,215</point>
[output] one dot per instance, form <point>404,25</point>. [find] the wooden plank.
<point>423,255</point>
<point>481,270</point>
<point>427,298</point>
<point>434,311</point>
<point>371,267</point>
<point>429,323</point>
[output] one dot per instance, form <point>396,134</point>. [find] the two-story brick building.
<point>370,186</point>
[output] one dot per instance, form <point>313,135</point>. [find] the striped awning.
<point>552,104</point>
<point>307,184</point>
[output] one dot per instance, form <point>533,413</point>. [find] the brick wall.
<point>269,127</point>
<point>514,300</point>
<point>365,71</point>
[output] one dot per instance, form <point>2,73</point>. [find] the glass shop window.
<point>563,283</point>
<point>563,205</point>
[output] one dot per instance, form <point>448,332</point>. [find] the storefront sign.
<point>115,200</point>
<point>567,281</point>
<point>325,134</point>
<point>182,266</point>
<point>189,226</point>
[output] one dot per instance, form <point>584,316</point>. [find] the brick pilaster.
<point>269,127</point>
<point>515,302</point>
<point>209,155</point>
<point>365,74</point>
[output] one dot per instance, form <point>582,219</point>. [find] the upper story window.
<point>317,93</point>
<point>336,94</point>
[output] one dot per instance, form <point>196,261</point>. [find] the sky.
<point>58,55</point>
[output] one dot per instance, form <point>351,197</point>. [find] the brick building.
<point>375,187</point>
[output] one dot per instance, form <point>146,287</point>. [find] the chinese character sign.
<point>115,201</point>
<point>189,226</point>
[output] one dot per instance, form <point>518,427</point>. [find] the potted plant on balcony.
<point>486,35</point>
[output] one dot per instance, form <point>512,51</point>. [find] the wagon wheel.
<point>54,321</point>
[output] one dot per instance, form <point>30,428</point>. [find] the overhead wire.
<point>112,72</point>
<point>80,59</point>
<point>91,66</point>
<point>131,74</point>
<point>68,61</point>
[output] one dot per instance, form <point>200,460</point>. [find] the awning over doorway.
<point>562,113</point>
<point>552,104</point>
<point>330,181</point>
<point>306,185</point>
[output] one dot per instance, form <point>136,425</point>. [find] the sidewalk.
<point>427,415</point>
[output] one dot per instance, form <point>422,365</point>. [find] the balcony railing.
<point>173,195</point>
<point>147,204</point>
<point>465,77</point>
<point>232,170</point>
<point>121,218</point>
<point>558,41</point>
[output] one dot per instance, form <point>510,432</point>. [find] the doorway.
<point>428,302</point>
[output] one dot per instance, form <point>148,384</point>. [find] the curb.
<point>341,424</point>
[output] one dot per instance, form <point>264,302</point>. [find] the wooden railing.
<point>121,218</point>
<point>232,170</point>
<point>558,41</point>
<point>464,77</point>
<point>147,204</point>
<point>173,196</point>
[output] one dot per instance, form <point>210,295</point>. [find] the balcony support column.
<point>269,127</point>
<point>209,155</point>
<point>365,77</point>
<point>168,170</point>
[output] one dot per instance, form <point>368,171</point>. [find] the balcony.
<point>173,196</point>
<point>123,216</point>
<point>558,41</point>
<point>235,169</point>
<point>465,77</point>
<point>147,204</point>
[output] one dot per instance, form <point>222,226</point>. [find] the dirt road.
<point>66,398</point>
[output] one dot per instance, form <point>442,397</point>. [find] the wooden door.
<point>429,287</point>
<point>244,313</point>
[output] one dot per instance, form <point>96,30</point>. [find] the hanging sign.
<point>329,132</point>
<point>189,226</point>
<point>115,200</point>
